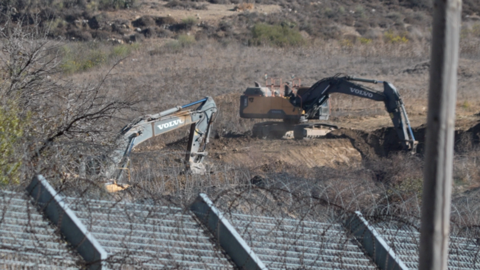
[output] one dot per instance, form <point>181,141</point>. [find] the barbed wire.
<point>290,222</point>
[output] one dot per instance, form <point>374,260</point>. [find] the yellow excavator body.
<point>262,102</point>
<point>269,103</point>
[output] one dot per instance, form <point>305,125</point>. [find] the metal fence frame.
<point>56,210</point>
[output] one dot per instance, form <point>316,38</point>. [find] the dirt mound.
<point>244,6</point>
<point>266,155</point>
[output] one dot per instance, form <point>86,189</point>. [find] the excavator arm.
<point>311,100</point>
<point>200,121</point>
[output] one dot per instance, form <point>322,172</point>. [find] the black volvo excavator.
<point>308,103</point>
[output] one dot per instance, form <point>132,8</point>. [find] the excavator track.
<point>272,130</point>
<point>278,130</point>
<point>312,130</point>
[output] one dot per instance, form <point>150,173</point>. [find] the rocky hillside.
<point>134,20</point>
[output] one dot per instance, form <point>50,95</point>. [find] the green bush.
<point>71,4</point>
<point>56,23</point>
<point>172,47</point>
<point>11,131</point>
<point>330,13</point>
<point>473,31</point>
<point>420,3</point>
<point>189,22</point>
<point>466,105</point>
<point>396,17</point>
<point>393,38</point>
<point>186,40</point>
<point>115,4</point>
<point>275,35</point>
<point>407,188</point>
<point>365,40</point>
<point>175,46</point>
<point>346,43</point>
<point>74,62</point>
<point>123,50</point>
<point>81,57</point>
<point>360,12</point>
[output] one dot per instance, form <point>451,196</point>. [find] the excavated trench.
<point>384,141</point>
<point>340,147</point>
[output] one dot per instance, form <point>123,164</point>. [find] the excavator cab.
<point>261,102</point>
<point>274,102</point>
<point>270,103</point>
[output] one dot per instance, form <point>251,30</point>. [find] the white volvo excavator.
<point>146,127</point>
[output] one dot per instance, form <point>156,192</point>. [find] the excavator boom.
<point>312,99</point>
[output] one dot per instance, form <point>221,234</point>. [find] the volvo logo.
<point>170,124</point>
<point>361,92</point>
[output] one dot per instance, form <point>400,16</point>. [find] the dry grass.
<point>224,71</point>
<point>163,80</point>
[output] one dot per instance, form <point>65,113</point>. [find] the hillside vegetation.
<point>133,20</point>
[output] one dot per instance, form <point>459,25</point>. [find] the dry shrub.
<point>466,172</point>
<point>244,7</point>
<point>276,35</point>
<point>185,5</point>
<point>401,173</point>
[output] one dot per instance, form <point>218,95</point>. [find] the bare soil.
<point>211,14</point>
<point>345,146</point>
<point>257,153</point>
<point>365,127</point>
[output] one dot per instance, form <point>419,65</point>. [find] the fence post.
<point>439,139</point>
